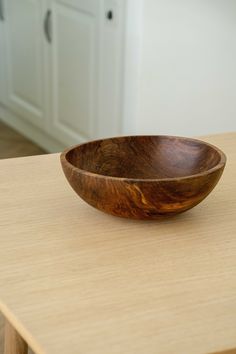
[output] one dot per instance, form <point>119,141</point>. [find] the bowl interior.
<point>145,157</point>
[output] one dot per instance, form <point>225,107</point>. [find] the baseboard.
<point>34,134</point>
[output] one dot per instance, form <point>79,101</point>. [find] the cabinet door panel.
<point>25,58</point>
<point>74,67</point>
<point>3,76</point>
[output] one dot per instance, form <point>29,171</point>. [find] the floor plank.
<point>13,144</point>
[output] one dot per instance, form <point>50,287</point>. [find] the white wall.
<point>187,76</point>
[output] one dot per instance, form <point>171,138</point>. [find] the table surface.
<point>75,280</point>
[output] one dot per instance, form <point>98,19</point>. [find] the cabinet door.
<point>3,77</point>
<point>75,68</point>
<point>25,58</point>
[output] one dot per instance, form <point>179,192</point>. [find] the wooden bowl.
<point>143,177</point>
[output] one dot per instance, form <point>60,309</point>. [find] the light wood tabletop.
<point>75,280</point>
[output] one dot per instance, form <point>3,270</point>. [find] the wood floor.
<point>1,333</point>
<point>13,144</point>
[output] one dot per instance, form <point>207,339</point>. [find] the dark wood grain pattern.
<point>143,177</point>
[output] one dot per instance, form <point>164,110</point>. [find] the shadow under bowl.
<point>143,177</point>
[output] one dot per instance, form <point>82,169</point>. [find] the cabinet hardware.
<point>1,11</point>
<point>109,15</point>
<point>47,26</point>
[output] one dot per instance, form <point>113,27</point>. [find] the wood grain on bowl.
<point>143,177</point>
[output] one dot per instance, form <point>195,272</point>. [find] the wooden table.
<point>75,280</point>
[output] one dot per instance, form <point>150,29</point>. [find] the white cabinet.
<point>25,59</point>
<point>75,68</point>
<point>64,62</point>
<point>86,68</point>
<point>3,78</point>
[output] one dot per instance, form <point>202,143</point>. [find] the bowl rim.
<point>220,164</point>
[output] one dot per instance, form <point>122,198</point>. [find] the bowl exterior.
<point>141,199</point>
